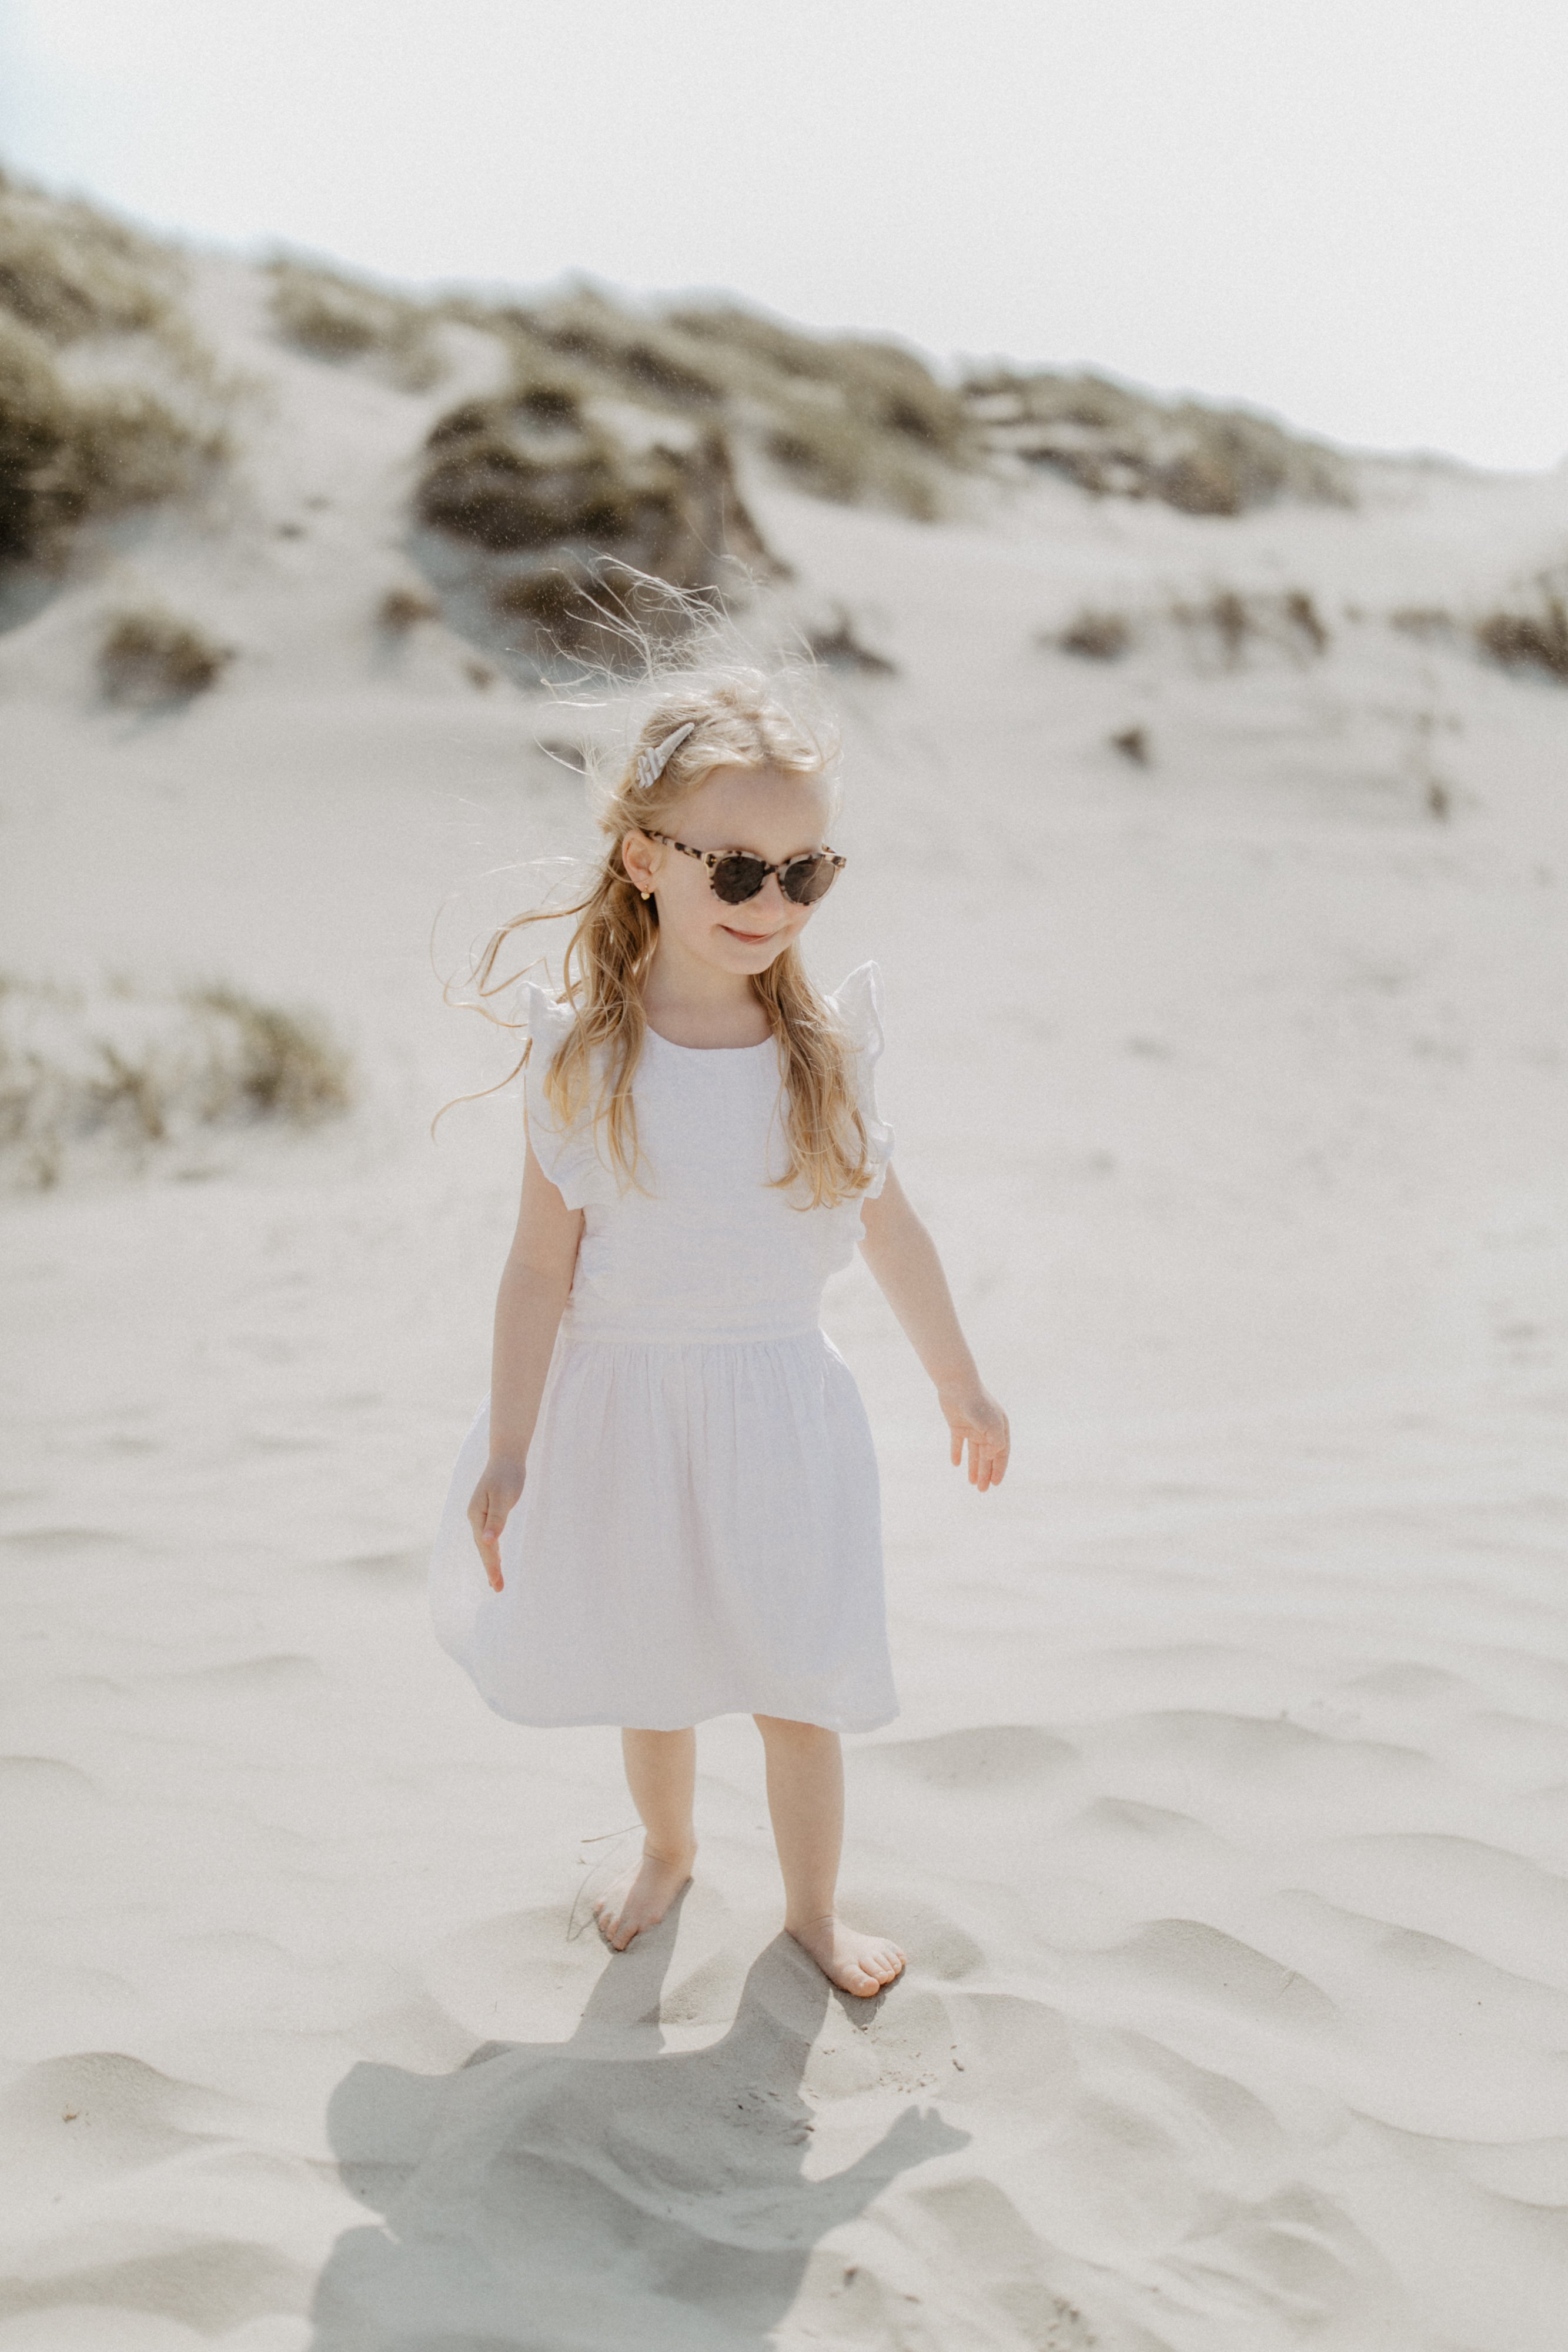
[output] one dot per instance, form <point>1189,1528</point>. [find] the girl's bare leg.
<point>806,1799</point>
<point>660,1772</point>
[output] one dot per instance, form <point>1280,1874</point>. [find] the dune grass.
<point>1220,626</point>
<point>841,648</point>
<point>280,1064</point>
<point>854,419</point>
<point>1096,636</point>
<point>109,1082</point>
<point>332,316</point>
<point>153,659</point>
<point>557,608</point>
<point>845,417</point>
<point>67,270</point>
<point>1224,622</point>
<point>401,610</point>
<point>560,497</point>
<point>69,453</point>
<point>865,421</point>
<point>72,281</point>
<point>494,474</point>
<point>1528,640</point>
<point>1117,442</point>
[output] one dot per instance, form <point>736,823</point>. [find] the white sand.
<point>1226,1819</point>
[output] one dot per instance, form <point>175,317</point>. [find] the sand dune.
<point>1225,1822</point>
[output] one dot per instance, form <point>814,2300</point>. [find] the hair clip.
<point>651,765</point>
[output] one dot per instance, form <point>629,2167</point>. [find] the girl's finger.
<point>995,1451</point>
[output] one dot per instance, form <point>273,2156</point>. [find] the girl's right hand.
<point>976,1420</point>
<point>494,1499</point>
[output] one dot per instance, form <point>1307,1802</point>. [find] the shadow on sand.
<point>567,2194</point>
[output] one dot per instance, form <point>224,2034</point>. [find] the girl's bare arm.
<point>903,1257</point>
<point>535,1283</point>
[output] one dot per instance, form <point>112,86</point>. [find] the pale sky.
<point>1349,212</point>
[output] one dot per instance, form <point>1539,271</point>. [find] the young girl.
<point>671,1491</point>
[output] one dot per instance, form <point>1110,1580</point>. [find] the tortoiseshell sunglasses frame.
<point>714,858</point>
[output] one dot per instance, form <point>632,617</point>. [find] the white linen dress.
<point>699,1532</point>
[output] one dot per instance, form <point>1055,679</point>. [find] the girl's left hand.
<point>977,1420</point>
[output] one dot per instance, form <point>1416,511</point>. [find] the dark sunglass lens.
<point>736,878</point>
<point>809,879</point>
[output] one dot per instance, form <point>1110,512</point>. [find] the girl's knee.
<point>783,1729</point>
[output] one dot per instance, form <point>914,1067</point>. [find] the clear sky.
<point>1350,212</point>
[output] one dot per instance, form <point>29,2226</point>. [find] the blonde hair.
<point>737,721</point>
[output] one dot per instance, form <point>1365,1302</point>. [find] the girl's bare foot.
<point>641,1898</point>
<point>855,1963</point>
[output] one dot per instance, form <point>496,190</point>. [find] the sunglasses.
<point>734,875</point>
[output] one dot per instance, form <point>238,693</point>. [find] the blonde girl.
<point>668,1507</point>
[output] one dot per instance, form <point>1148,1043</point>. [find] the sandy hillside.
<point>1227,1816</point>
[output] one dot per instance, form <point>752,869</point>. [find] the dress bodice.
<point>712,1249</point>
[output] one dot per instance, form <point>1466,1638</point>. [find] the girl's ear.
<point>641,857</point>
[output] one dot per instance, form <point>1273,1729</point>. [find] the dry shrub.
<point>34,425</point>
<point>846,417</point>
<point>499,476</point>
<point>598,613</point>
<point>838,648</point>
<point>72,447</point>
<point>828,450</point>
<point>1228,622</point>
<point>1097,635</point>
<point>284,1065</point>
<point>402,609</point>
<point>67,270</point>
<point>67,454</point>
<point>1132,743</point>
<point>1232,620</point>
<point>1537,640</point>
<point>499,473</point>
<point>331,316</point>
<point>109,1081</point>
<point>1116,442</point>
<point>563,513</point>
<point>889,389</point>
<point>587,345</point>
<point>151,659</point>
<point>562,609</point>
<point>1303,615</point>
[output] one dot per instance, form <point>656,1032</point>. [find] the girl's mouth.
<point>752,938</point>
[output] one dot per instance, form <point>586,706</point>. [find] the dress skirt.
<point>671,1559</point>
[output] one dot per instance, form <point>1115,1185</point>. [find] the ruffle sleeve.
<point>857,1004</point>
<point>569,1155</point>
